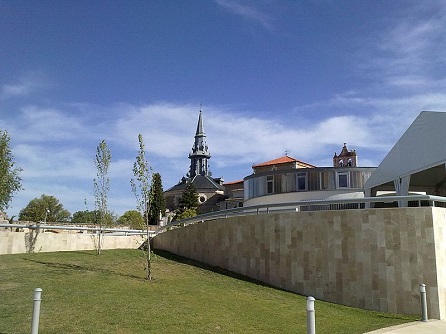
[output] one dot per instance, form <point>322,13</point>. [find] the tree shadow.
<point>31,239</point>
<point>75,267</point>
<point>214,269</point>
<point>85,252</point>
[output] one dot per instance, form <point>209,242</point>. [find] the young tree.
<point>46,208</point>
<point>10,182</point>
<point>141,189</point>
<point>101,187</point>
<point>158,205</point>
<point>132,219</point>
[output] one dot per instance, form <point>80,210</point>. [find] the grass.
<point>87,293</point>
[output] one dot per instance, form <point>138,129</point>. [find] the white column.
<point>402,188</point>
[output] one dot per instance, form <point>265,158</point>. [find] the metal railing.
<point>313,205</point>
<point>108,231</point>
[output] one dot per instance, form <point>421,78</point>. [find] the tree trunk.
<point>148,257</point>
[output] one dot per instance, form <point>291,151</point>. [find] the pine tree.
<point>188,203</point>
<point>158,205</point>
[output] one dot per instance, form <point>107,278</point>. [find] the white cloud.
<point>166,128</point>
<point>248,12</point>
<point>54,162</point>
<point>409,53</point>
<point>379,123</point>
<point>24,86</point>
<point>234,138</point>
<point>169,130</point>
<point>15,90</point>
<point>50,124</point>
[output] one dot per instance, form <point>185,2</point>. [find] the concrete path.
<point>418,327</point>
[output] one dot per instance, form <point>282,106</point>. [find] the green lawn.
<point>87,293</point>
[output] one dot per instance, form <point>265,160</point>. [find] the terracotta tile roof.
<point>282,160</point>
<point>233,182</point>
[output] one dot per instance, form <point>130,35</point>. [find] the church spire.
<point>199,154</point>
<point>200,130</point>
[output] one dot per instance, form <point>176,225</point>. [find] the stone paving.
<point>418,327</point>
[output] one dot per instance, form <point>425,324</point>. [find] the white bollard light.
<point>36,311</point>
<point>311,318</point>
<point>423,302</point>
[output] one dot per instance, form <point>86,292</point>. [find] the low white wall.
<point>25,242</point>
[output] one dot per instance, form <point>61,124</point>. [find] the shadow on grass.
<point>218,270</point>
<point>68,266</point>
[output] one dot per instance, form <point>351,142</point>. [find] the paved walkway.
<point>418,327</point>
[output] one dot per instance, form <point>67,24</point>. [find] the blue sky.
<point>272,76</point>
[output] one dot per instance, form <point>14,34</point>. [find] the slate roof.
<point>200,182</point>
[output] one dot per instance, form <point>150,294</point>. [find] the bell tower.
<point>346,158</point>
<point>199,153</point>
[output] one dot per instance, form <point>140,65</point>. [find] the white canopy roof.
<point>422,147</point>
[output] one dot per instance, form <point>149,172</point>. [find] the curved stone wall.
<point>372,258</point>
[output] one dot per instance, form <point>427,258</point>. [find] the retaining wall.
<point>30,241</point>
<point>373,258</point>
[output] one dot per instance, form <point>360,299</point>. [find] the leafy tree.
<point>86,217</point>
<point>109,219</point>
<point>188,202</point>
<point>10,182</point>
<point>46,208</point>
<point>158,205</point>
<point>188,213</point>
<point>141,189</point>
<point>102,186</point>
<point>133,219</point>
<point>82,217</point>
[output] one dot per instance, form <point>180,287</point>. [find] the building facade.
<point>286,179</point>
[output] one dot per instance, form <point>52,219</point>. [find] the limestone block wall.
<point>24,242</point>
<point>372,258</point>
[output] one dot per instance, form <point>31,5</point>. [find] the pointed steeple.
<point>199,154</point>
<point>200,130</point>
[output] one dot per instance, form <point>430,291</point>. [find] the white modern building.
<point>417,162</point>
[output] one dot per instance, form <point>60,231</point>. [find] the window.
<point>202,198</point>
<point>342,180</point>
<point>301,181</point>
<point>270,184</point>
